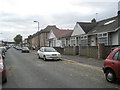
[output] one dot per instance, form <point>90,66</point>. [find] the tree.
<point>18,39</point>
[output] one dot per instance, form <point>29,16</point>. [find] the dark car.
<point>25,49</point>
<point>112,66</point>
<point>3,70</point>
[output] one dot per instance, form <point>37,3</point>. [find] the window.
<point>102,35</point>
<point>117,56</point>
<point>103,38</point>
<point>83,37</point>
<point>99,35</point>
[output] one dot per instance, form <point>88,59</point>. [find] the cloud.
<point>17,16</point>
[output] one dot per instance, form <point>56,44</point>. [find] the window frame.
<point>101,35</point>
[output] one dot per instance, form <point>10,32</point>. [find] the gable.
<point>77,30</point>
<point>51,35</point>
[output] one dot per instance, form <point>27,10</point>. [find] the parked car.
<point>2,54</point>
<point>48,53</point>
<point>112,66</point>
<point>3,70</point>
<point>25,49</point>
<point>18,48</point>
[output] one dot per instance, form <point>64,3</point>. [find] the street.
<point>25,70</point>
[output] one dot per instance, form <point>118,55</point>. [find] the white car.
<point>48,53</point>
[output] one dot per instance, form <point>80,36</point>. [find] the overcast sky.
<point>17,16</point>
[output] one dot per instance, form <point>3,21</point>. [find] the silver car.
<point>48,53</point>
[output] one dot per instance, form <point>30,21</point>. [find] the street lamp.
<point>38,34</point>
<point>38,24</point>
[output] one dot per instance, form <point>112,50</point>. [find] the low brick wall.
<point>99,52</point>
<point>68,50</point>
<point>71,50</point>
<point>94,52</point>
<point>89,51</point>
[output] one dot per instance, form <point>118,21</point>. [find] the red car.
<point>112,66</point>
<point>2,70</point>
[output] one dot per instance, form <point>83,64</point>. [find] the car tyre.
<point>5,80</point>
<point>44,58</point>
<point>110,76</point>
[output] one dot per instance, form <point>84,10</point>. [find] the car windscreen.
<point>49,50</point>
<point>25,48</point>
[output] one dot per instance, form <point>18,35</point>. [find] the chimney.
<point>93,20</point>
<point>118,13</point>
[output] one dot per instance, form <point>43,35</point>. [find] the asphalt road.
<point>25,70</point>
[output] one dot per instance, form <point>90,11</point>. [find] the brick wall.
<point>71,50</point>
<point>68,50</point>
<point>99,52</point>
<point>89,51</point>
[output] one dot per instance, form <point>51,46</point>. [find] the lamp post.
<point>38,35</point>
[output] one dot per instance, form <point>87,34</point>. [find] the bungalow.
<point>81,29</point>
<point>91,34</point>
<point>106,31</point>
<point>55,35</point>
<point>44,34</point>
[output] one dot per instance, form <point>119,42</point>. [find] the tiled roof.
<point>86,26</point>
<point>49,28</point>
<point>61,33</point>
<point>107,25</point>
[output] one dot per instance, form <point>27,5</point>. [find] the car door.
<point>119,65</point>
<point>115,63</point>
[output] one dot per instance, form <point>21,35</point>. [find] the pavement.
<point>82,60</point>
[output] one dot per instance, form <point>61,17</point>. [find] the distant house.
<point>40,38</point>
<point>66,39</point>
<point>55,37</point>
<point>33,41</point>
<point>24,42</point>
<point>44,34</point>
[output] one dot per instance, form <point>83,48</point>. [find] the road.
<point>25,70</point>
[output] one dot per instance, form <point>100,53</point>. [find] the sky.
<point>17,16</point>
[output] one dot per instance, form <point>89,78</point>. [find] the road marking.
<point>83,65</point>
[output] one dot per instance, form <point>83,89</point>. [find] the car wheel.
<point>44,58</point>
<point>38,56</point>
<point>5,80</point>
<point>110,76</point>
